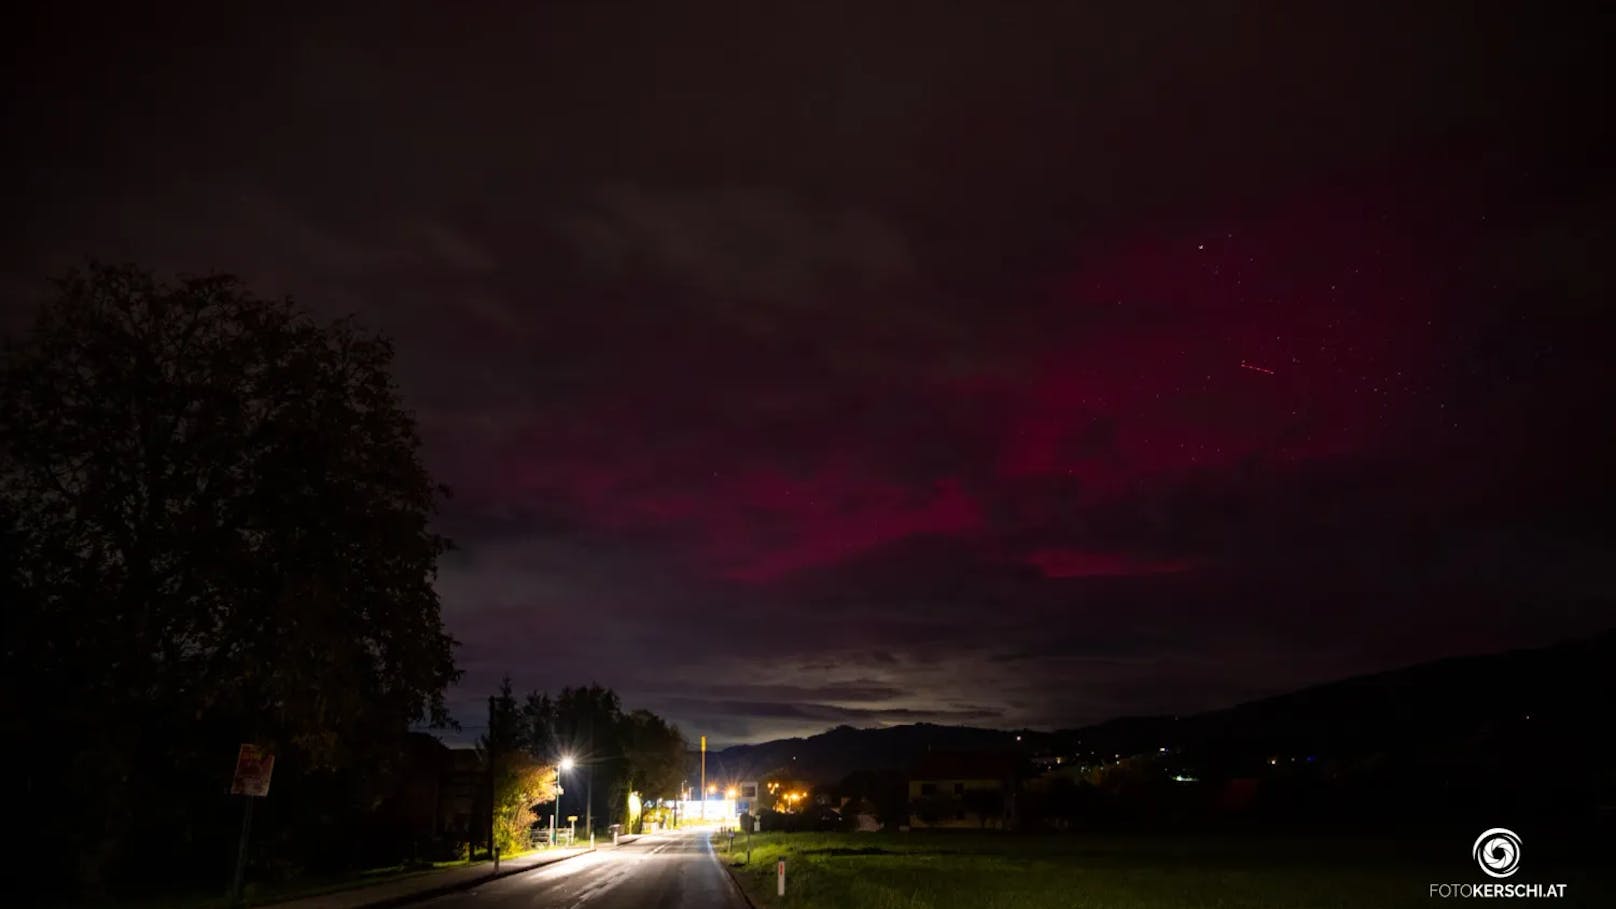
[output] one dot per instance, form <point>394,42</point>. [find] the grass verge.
<point>996,871</point>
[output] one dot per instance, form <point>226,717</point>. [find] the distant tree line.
<point>615,753</point>
<point>214,530</point>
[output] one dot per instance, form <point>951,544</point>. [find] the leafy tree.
<point>520,782</point>
<point>654,755</point>
<point>220,530</point>
<point>507,730</point>
<point>538,721</point>
<point>616,753</point>
<point>522,777</point>
<point>886,792</point>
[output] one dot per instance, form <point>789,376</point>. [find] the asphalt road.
<point>665,871</point>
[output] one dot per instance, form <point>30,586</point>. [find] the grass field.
<point>988,871</point>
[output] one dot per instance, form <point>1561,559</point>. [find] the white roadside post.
<point>780,878</point>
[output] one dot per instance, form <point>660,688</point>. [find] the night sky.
<point>871,363</point>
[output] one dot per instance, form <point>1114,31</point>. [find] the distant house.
<point>440,801</point>
<point>463,807</point>
<point>414,807</point>
<point>963,789</point>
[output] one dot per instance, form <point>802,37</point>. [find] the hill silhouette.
<point>1482,712</point>
<point>831,755</point>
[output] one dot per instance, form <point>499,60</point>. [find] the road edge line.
<point>733,880</point>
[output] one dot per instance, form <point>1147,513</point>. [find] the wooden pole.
<point>240,877</point>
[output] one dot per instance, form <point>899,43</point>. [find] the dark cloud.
<point>828,714</point>
<point>880,366</point>
<point>852,690</point>
<point>753,248</point>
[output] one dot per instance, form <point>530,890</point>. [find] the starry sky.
<point>998,364</point>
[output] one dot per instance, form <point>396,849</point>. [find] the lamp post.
<point>565,765</point>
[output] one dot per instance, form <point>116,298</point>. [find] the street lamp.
<point>565,765</point>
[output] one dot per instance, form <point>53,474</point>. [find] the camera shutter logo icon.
<point>1498,852</point>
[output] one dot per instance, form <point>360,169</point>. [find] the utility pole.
<point>704,778</point>
<point>241,855</point>
<point>589,781</point>
<point>490,758</point>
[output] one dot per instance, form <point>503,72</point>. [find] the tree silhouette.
<point>218,528</point>
<point>636,751</point>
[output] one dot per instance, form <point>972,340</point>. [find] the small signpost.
<point>254,766</point>
<point>780,878</point>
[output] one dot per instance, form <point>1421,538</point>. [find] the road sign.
<point>253,768</point>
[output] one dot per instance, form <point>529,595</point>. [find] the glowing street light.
<point>731,792</point>
<point>565,765</point>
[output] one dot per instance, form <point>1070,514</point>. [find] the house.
<point>463,805</point>
<point>440,799</point>
<point>963,789</point>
